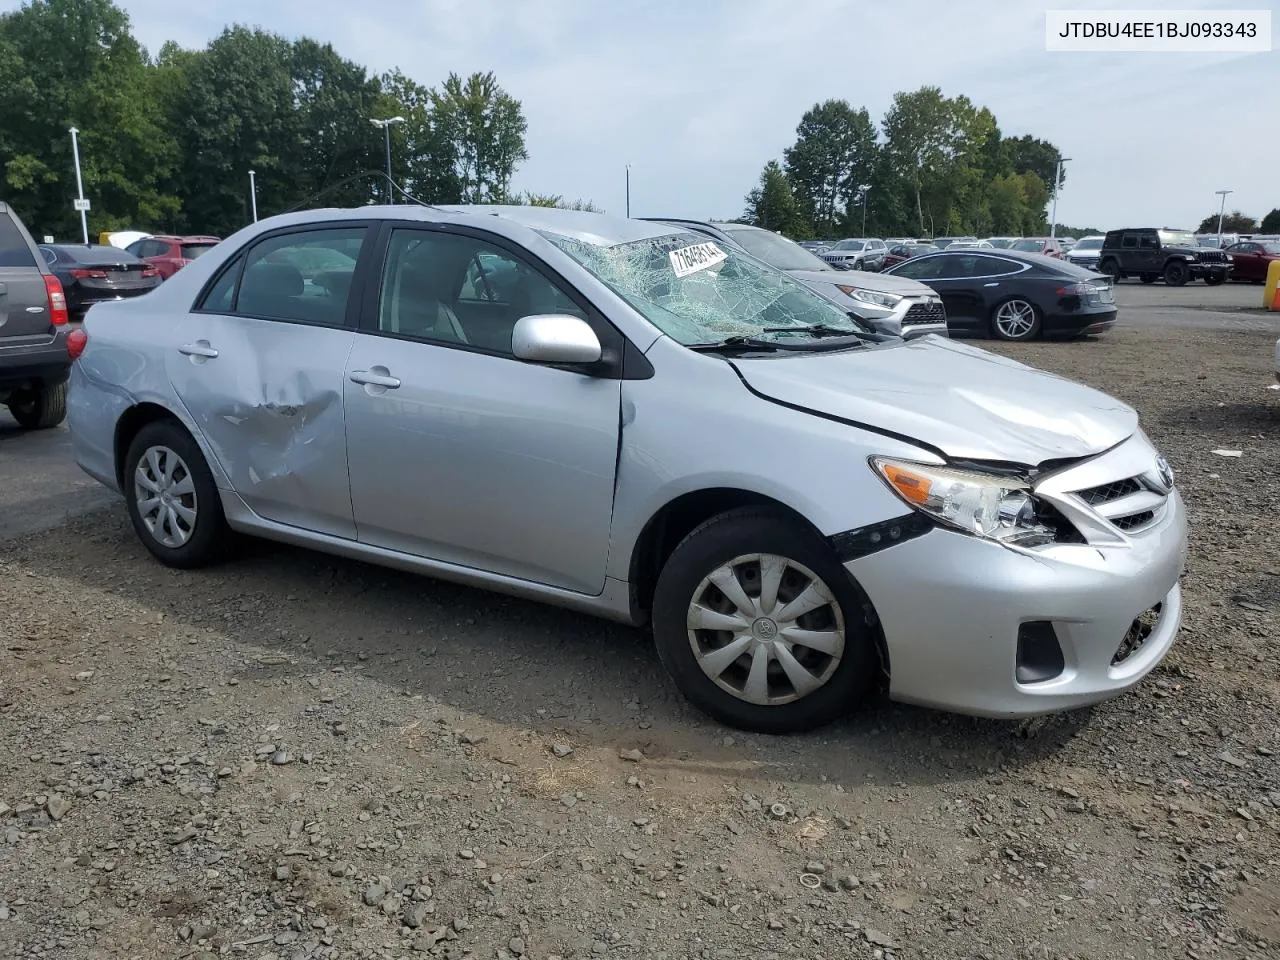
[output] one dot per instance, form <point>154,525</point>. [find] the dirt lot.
<point>294,756</point>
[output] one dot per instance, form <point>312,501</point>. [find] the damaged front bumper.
<point>975,627</point>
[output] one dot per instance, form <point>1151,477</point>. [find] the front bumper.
<point>1210,270</point>
<point>951,607</point>
<point>898,319</point>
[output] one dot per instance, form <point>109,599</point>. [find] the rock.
<point>634,756</point>
<point>57,806</point>
<point>850,882</point>
<point>561,750</point>
<point>4,808</point>
<point>373,894</point>
<point>775,923</point>
<point>815,866</point>
<point>283,873</point>
<point>876,938</point>
<point>281,757</point>
<point>1226,757</point>
<point>1068,792</point>
<point>337,869</point>
<point>516,946</point>
<point>460,925</point>
<point>599,949</point>
<point>1076,806</point>
<point>415,915</point>
<point>467,854</point>
<point>286,938</point>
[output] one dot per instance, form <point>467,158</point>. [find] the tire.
<point>732,548</point>
<point>40,409</point>
<point>1214,279</point>
<point>164,461</point>
<point>1175,274</point>
<point>1016,319</point>
<point>1149,278</point>
<point>1112,269</point>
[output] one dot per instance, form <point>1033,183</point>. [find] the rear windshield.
<point>14,251</point>
<point>192,250</point>
<point>1089,243</point>
<point>1029,246</point>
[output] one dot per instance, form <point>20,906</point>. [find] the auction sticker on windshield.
<point>700,256</point>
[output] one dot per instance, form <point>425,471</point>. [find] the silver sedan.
<point>627,419</point>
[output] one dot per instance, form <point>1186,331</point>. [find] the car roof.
<point>601,229</point>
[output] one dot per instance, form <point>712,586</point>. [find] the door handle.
<point>996,284</point>
<point>200,349</point>
<point>377,377</point>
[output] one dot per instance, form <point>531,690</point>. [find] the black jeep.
<point>1150,253</point>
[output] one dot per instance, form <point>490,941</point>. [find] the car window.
<point>50,255</point>
<point>1148,242</point>
<point>922,268</point>
<point>1129,241</point>
<point>138,248</point>
<point>192,250</point>
<point>304,276</point>
<point>14,251</point>
<point>222,294</point>
<point>448,288</point>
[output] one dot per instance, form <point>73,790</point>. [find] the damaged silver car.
<point>627,419</point>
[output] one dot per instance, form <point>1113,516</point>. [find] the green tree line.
<point>167,142</point>
<point>1237,222</point>
<point>933,165</point>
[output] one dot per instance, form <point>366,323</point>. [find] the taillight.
<point>151,272</point>
<point>1078,290</point>
<point>77,340</point>
<point>82,274</point>
<point>57,300</point>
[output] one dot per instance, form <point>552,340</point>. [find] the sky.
<point>697,97</point>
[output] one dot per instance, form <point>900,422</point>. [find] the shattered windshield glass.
<point>698,292</point>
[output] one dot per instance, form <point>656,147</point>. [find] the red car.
<point>171,254</point>
<point>1250,259</point>
<point>1049,246</point>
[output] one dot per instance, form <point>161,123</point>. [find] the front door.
<point>458,451</point>
<point>259,366</point>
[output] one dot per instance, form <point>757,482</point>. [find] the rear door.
<point>24,303</point>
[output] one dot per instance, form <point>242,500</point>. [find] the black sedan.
<point>92,273</point>
<point>1013,295</point>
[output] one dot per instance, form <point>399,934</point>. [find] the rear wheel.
<point>761,627</point>
<point>40,408</point>
<point>1016,319</point>
<point>173,501</point>
<point>1112,269</point>
<point>1175,273</point>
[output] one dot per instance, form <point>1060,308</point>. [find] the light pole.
<point>1222,209</point>
<point>253,195</point>
<point>1057,179</point>
<point>628,191</point>
<point>386,130</point>
<point>81,204</point>
<point>864,189</point>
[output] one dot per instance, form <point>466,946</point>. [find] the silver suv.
<point>33,330</point>
<point>630,420</point>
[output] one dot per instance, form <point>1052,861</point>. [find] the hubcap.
<point>766,629</point>
<point>1015,318</point>
<point>166,496</point>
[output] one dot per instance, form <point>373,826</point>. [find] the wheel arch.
<point>128,426</point>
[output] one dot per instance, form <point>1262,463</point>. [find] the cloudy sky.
<point>696,97</point>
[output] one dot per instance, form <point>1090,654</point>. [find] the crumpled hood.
<point>879,282</point>
<point>969,403</point>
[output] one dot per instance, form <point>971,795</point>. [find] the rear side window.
<point>304,277</point>
<point>14,251</point>
<point>1148,242</point>
<point>192,250</point>
<point>1129,241</point>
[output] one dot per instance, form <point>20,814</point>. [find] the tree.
<point>529,199</point>
<point>486,126</point>
<point>66,63</point>
<point>772,205</point>
<point>835,153</point>
<point>920,135</point>
<point>1030,155</point>
<point>1233,222</point>
<point>1271,222</point>
<point>423,156</point>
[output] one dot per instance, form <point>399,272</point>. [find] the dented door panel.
<point>269,406</point>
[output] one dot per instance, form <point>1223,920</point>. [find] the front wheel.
<point>760,626</point>
<point>1112,269</point>
<point>1175,274</point>
<point>40,408</point>
<point>1016,320</point>
<point>172,498</point>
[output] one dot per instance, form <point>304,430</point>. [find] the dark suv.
<point>34,363</point>
<point>1151,254</point>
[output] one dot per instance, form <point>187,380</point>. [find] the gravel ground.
<point>294,756</point>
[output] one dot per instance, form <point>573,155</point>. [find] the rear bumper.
<point>45,363</point>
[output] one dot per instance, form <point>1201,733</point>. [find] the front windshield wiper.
<point>815,329</point>
<point>735,345</point>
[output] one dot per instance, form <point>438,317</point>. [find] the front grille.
<point>1134,521</point>
<point>1138,633</point>
<point>1212,256</point>
<point>926,311</point>
<point>1084,261</point>
<point>1095,496</point>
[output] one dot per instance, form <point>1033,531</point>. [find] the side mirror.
<point>555,338</point>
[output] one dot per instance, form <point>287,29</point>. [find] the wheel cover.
<point>165,494</point>
<point>766,629</point>
<point>1015,319</point>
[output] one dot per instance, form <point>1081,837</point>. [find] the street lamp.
<point>386,130</point>
<point>253,195</point>
<point>628,191</point>
<point>81,204</point>
<point>1057,180</point>
<point>1221,209</point>
<point>864,189</point>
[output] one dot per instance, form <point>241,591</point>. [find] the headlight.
<point>995,507</point>
<point>887,300</point>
